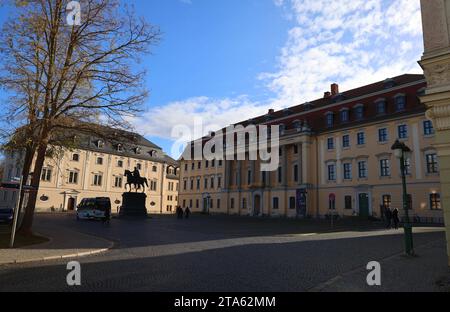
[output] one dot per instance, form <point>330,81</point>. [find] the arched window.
<point>75,157</point>
<point>154,169</point>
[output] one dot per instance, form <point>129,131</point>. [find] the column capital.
<point>440,114</point>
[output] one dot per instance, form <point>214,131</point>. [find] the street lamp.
<point>402,151</point>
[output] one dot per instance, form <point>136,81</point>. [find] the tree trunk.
<point>27,222</point>
<point>28,160</point>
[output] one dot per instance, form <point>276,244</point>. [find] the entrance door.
<point>205,205</point>
<point>71,204</point>
<point>363,205</point>
<point>257,207</point>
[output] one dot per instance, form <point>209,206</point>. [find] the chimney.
<point>326,95</point>
<point>271,111</point>
<point>334,89</point>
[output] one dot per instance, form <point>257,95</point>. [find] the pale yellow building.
<point>335,157</point>
<point>96,169</point>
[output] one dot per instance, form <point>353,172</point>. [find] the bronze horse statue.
<point>136,181</point>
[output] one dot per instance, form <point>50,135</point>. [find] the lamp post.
<point>401,151</point>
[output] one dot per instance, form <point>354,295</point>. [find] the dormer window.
<point>138,150</point>
<point>297,125</point>
<point>119,147</point>
<point>282,128</point>
<point>287,112</point>
<point>389,83</point>
<point>400,102</point>
<point>307,106</point>
<point>345,116</point>
<point>381,106</point>
<point>329,119</point>
<point>100,144</point>
<point>359,111</point>
<point>338,98</point>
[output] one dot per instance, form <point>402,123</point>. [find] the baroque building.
<point>95,167</point>
<point>335,157</point>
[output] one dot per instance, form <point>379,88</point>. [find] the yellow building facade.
<point>335,158</point>
<point>97,169</point>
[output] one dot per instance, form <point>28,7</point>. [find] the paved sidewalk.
<point>64,243</point>
<point>427,272</point>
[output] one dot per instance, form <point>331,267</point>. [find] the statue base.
<point>133,205</point>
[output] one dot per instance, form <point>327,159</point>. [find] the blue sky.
<point>228,60</point>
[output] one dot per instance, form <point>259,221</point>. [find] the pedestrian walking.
<point>179,212</point>
<point>187,212</point>
<point>388,216</point>
<point>395,218</point>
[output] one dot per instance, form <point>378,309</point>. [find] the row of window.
<point>434,200</point>
<point>384,168</point>
<point>172,198</point>
<point>383,135</point>
<point>119,163</point>
<point>97,180</point>
<point>208,183</point>
<point>211,203</point>
<point>359,112</point>
<point>120,148</point>
<point>208,164</point>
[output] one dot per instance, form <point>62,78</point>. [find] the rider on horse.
<point>136,173</point>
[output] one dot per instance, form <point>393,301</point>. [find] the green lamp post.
<point>401,151</point>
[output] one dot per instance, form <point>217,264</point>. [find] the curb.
<point>64,256</point>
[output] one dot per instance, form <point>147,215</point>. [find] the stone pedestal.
<point>133,205</point>
<point>436,66</point>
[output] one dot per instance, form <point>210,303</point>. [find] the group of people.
<point>391,217</point>
<point>183,213</point>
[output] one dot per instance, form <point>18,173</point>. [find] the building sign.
<point>301,202</point>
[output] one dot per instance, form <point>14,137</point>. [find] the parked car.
<point>6,215</point>
<point>94,208</point>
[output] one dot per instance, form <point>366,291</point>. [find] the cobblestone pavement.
<point>223,253</point>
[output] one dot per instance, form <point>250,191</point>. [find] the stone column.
<point>299,164</point>
<point>436,65</point>
<point>284,169</point>
<point>304,164</point>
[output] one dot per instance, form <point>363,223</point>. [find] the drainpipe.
<point>317,177</point>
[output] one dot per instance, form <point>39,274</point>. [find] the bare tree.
<point>59,74</point>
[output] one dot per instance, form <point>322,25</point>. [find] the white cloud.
<point>349,42</point>
<point>215,113</point>
<point>352,43</point>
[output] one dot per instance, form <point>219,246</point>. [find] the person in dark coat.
<point>187,212</point>
<point>179,212</point>
<point>395,218</point>
<point>388,216</point>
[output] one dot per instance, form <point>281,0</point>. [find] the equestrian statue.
<point>134,178</point>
